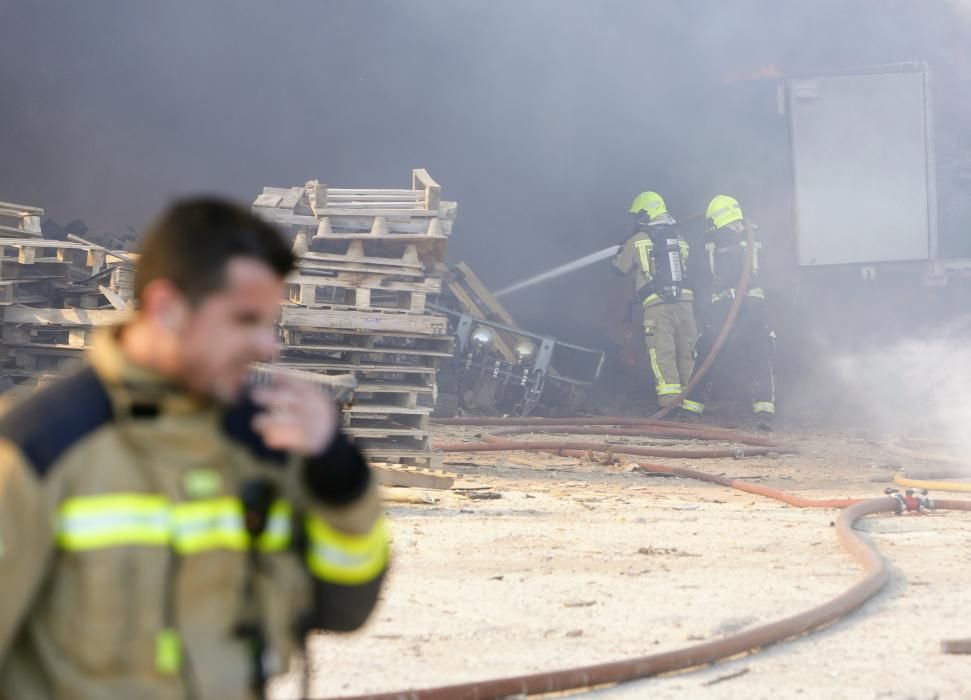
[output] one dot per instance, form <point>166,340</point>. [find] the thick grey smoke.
<point>541,118</point>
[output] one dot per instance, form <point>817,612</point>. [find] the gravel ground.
<point>577,562</point>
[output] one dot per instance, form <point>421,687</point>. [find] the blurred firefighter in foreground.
<point>658,257</point>
<point>166,531</point>
<point>749,349</point>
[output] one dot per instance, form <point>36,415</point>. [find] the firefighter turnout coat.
<point>153,547</point>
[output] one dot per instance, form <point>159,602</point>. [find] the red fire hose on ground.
<point>875,575</point>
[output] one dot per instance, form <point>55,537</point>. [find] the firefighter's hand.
<point>297,417</point>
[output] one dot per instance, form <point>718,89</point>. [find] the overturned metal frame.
<point>532,376</point>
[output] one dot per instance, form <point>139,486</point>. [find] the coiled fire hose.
<point>875,576</point>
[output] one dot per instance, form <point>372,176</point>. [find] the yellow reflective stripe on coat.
<point>763,407</point>
<point>129,519</point>
<point>337,557</point>
<point>644,248</point>
<point>217,523</point>
<point>113,520</point>
<point>277,534</point>
<point>668,389</point>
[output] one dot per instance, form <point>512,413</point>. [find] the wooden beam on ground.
<point>397,475</point>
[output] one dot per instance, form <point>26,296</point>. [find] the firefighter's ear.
<point>164,304</point>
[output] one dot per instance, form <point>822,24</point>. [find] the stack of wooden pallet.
<point>52,295</point>
<point>357,303</point>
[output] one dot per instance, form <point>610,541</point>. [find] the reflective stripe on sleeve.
<point>337,557</point>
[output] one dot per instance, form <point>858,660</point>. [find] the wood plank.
<point>63,317</point>
<point>391,388</point>
<point>365,408</point>
<point>19,232</point>
<point>115,299</point>
<point>421,180</point>
<point>362,369</point>
<point>333,266</point>
<point>497,311</point>
<point>296,317</point>
<point>429,285</point>
<point>397,475</point>
<point>292,198</point>
<point>387,432</point>
<point>19,209</point>
<point>406,260</point>
<point>343,191</point>
<point>326,347</point>
<point>267,200</point>
<point>282,216</point>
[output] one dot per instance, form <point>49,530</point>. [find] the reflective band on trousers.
<point>129,519</point>
<point>656,368</point>
<point>693,406</point>
<point>763,407</point>
<point>337,557</point>
<point>754,293</point>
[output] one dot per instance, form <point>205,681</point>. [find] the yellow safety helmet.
<point>723,210</point>
<point>649,202</point>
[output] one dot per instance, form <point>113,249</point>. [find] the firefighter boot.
<point>763,421</point>
<point>685,416</point>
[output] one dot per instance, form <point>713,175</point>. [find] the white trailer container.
<point>863,167</point>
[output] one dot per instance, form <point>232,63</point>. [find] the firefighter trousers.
<point>747,355</point>
<point>670,333</point>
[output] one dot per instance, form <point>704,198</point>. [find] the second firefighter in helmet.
<point>656,256</point>
<point>749,349</point>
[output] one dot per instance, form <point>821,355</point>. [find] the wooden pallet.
<point>319,293</point>
<point>318,198</point>
<point>328,215</point>
<point>45,359</point>
<point>360,291</point>
<point>32,290</point>
<point>399,259</point>
<point>46,336</point>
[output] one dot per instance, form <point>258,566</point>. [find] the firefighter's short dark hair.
<point>193,240</point>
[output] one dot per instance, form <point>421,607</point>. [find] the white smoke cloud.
<point>913,387</point>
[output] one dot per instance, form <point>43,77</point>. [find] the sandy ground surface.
<point>577,562</point>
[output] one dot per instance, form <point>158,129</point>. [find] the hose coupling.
<point>911,501</point>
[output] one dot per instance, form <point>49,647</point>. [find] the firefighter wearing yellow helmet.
<point>656,256</point>
<point>751,345</point>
